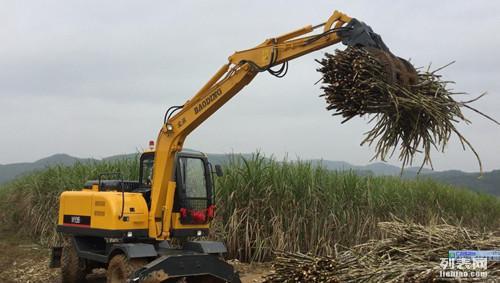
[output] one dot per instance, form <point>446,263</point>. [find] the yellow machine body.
<point>88,209</point>
<point>91,212</point>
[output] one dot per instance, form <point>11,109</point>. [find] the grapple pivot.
<point>359,34</point>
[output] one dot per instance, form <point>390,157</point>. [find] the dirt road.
<point>24,261</point>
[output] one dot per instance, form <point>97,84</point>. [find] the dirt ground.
<point>23,261</point>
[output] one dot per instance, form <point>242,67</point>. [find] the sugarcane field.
<point>249,142</point>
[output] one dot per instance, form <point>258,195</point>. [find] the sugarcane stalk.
<point>415,119</point>
<point>410,253</point>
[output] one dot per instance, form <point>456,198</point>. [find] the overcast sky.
<point>94,78</point>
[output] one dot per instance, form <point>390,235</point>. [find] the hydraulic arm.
<point>242,67</point>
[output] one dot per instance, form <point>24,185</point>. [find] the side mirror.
<point>218,170</point>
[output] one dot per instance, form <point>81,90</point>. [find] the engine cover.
<point>103,214</point>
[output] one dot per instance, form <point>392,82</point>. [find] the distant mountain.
<point>10,171</point>
<point>489,183</point>
<point>377,168</point>
<point>218,158</point>
<point>121,156</point>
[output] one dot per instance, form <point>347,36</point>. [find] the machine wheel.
<point>73,269</point>
<point>120,268</point>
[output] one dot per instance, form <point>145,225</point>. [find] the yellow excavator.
<point>148,230</point>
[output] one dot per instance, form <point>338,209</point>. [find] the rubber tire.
<point>73,268</point>
<point>120,268</point>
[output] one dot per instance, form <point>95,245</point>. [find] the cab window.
<point>193,177</point>
<point>146,168</point>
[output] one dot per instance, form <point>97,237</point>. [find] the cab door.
<point>193,201</point>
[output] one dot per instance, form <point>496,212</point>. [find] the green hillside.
<point>488,183</point>
<point>10,171</point>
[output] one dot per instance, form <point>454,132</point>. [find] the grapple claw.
<point>398,70</point>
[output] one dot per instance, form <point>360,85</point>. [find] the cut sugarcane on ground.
<point>409,253</point>
<point>416,118</point>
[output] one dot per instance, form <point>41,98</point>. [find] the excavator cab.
<point>194,202</point>
<point>194,197</point>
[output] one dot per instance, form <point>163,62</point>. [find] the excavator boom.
<point>242,67</point>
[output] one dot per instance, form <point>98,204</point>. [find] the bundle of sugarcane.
<point>410,253</point>
<point>298,267</point>
<point>417,116</point>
